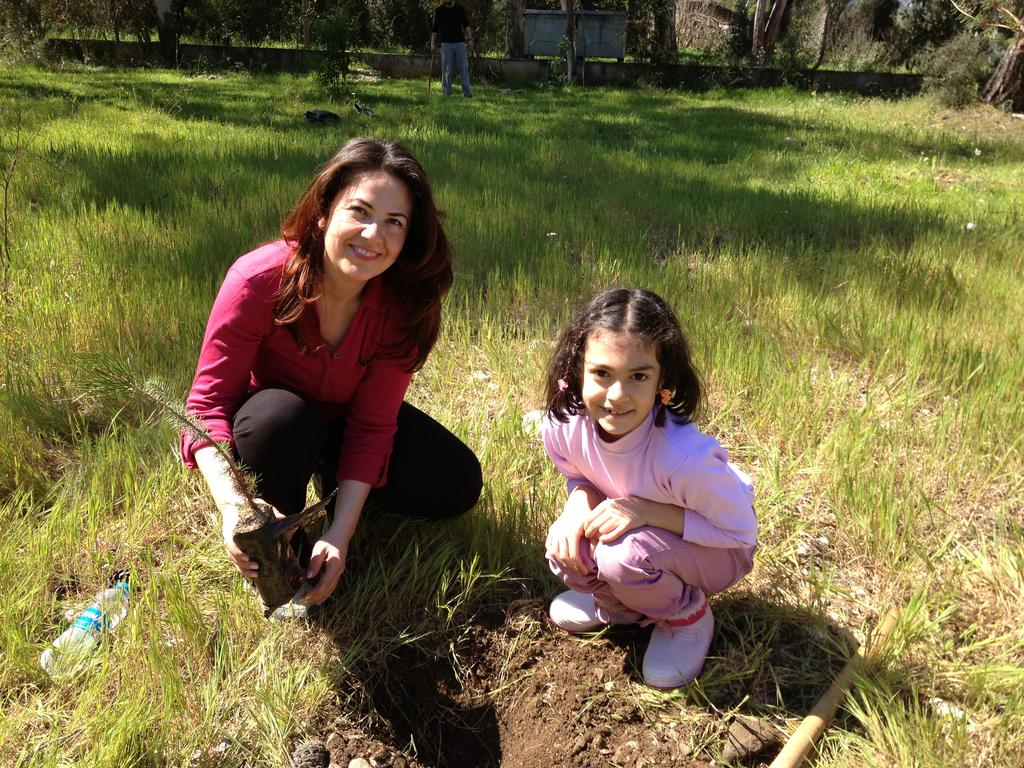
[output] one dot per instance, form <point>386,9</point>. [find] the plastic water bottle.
<point>78,640</point>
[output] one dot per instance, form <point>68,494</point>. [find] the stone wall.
<point>514,71</point>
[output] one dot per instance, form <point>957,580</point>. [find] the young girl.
<point>656,516</point>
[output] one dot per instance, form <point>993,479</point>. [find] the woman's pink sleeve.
<point>237,324</point>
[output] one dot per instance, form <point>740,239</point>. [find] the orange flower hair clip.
<point>666,396</point>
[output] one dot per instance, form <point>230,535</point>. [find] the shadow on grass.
<point>618,189</point>
<point>631,173</point>
<point>412,655</point>
<point>417,692</point>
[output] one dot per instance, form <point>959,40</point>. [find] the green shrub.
<point>955,69</point>
<point>740,42</point>
<point>336,33</point>
<point>23,26</point>
<point>923,26</point>
<point>864,36</point>
<point>798,42</point>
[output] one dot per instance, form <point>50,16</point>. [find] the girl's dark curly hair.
<point>646,317</point>
<point>419,278</point>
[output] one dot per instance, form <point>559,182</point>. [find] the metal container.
<point>543,33</point>
<point>599,34</point>
<point>604,35</point>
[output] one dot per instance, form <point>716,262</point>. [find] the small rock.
<point>626,753</point>
<point>335,742</point>
<point>312,754</point>
<point>748,737</point>
<point>532,421</point>
<point>945,709</point>
<point>358,762</point>
<point>580,744</point>
<point>681,750</point>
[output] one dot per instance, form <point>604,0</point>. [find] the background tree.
<point>665,45</point>
<point>920,27</point>
<point>1006,87</point>
<point>832,13</point>
<point>167,27</point>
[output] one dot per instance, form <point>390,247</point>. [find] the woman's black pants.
<point>281,440</point>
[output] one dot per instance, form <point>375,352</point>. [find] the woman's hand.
<point>326,565</point>
<point>614,517</point>
<point>246,566</point>
<point>327,562</point>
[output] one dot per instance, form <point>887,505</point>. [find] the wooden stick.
<point>795,750</point>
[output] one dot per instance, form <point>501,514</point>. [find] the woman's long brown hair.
<point>420,276</point>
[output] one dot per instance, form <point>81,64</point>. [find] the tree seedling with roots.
<point>257,532</point>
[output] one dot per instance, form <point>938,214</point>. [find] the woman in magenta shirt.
<point>310,347</point>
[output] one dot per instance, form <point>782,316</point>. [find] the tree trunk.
<point>515,34</point>
<point>307,13</point>
<point>759,14</point>
<point>115,18</point>
<point>167,31</point>
<point>570,35</point>
<point>833,11</point>
<point>666,44</point>
<point>1007,84</point>
<point>771,34</point>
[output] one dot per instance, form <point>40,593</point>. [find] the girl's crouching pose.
<point>656,517</point>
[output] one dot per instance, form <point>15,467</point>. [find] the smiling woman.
<point>310,347</point>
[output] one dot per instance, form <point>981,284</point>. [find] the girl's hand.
<point>327,560</point>
<point>563,541</point>
<point>247,567</point>
<point>614,517</point>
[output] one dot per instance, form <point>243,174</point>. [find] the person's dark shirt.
<point>449,23</point>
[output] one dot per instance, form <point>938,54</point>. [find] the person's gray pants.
<point>454,55</point>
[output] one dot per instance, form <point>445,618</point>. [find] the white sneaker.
<point>578,612</point>
<point>676,653</point>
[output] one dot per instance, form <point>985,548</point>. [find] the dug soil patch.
<point>514,692</point>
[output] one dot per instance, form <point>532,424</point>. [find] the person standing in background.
<point>452,26</point>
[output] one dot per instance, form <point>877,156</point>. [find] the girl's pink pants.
<point>654,572</point>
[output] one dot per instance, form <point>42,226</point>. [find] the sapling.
<point>257,532</point>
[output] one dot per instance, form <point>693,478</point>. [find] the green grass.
<point>863,350</point>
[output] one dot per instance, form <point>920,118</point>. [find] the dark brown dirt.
<point>514,692</point>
